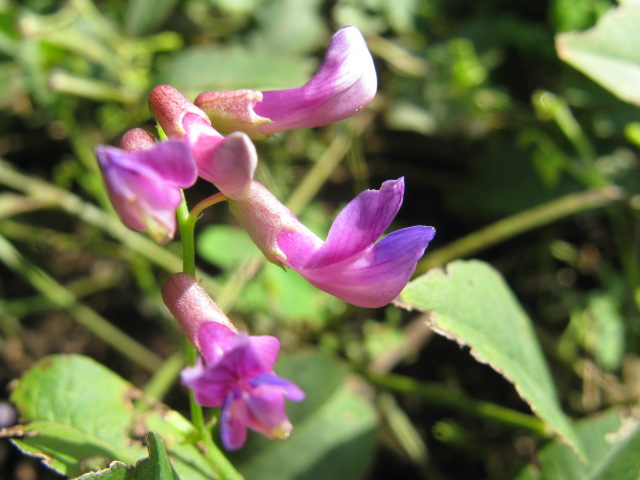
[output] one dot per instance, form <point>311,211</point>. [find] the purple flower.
<point>227,162</point>
<point>237,372</point>
<point>351,264</point>
<point>144,183</point>
<point>344,84</point>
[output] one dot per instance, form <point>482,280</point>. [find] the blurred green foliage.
<point>474,108</point>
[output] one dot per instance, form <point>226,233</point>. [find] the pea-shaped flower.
<point>227,162</point>
<point>351,264</point>
<point>344,84</point>
<point>237,372</point>
<point>144,181</point>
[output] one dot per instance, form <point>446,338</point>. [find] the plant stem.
<point>223,469</point>
<point>206,203</point>
<point>439,396</point>
<point>187,224</point>
<point>520,223</point>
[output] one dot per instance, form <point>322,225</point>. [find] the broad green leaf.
<point>81,417</point>
<point>78,412</point>
<point>333,434</point>
<point>225,246</point>
<point>471,304</point>
<point>611,441</point>
<point>143,16</point>
<point>609,53</point>
<point>290,26</point>
<point>295,300</point>
<point>232,68</point>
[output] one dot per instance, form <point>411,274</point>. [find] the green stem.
<point>187,236</point>
<point>206,203</point>
<point>560,112</point>
<point>223,469</point>
<point>439,396</point>
<point>520,223</point>
<point>63,82</point>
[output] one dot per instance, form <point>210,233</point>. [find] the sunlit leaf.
<point>611,441</point>
<point>79,417</point>
<point>471,304</point>
<point>609,53</point>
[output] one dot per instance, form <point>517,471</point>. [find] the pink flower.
<point>344,84</point>
<point>144,181</point>
<point>351,264</point>
<point>237,372</point>
<point>227,162</point>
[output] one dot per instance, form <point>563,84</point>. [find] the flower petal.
<point>287,387</point>
<point>267,415</point>
<point>140,194</point>
<point>378,274</point>
<point>171,160</point>
<point>214,340</point>
<point>210,384</point>
<point>345,83</point>
<point>266,348</point>
<point>231,165</point>
<point>360,223</point>
<point>233,421</point>
<point>251,356</point>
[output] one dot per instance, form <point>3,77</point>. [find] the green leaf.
<point>334,428</point>
<point>612,443</point>
<point>225,246</point>
<point>156,466</point>
<point>472,304</point>
<point>232,68</point>
<point>609,53</point>
<point>143,16</point>
<point>115,471</point>
<point>80,417</point>
<point>294,26</point>
<point>83,418</point>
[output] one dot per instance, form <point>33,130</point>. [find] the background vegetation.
<point>475,109</point>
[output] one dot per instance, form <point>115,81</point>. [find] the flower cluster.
<point>212,138</point>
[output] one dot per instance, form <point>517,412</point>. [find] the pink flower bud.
<point>144,183</point>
